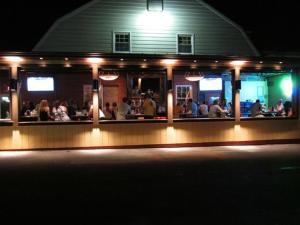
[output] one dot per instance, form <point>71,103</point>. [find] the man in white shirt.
<point>123,109</point>
<point>203,109</point>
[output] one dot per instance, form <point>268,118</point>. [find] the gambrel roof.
<point>90,28</point>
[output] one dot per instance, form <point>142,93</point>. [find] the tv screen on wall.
<point>210,84</point>
<point>40,84</point>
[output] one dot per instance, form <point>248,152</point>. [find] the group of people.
<point>215,110</point>
<point>60,110</point>
<point>115,112</point>
<point>280,109</point>
<point>126,107</point>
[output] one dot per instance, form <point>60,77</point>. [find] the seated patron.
<point>107,111</point>
<point>44,111</point>
<point>215,110</point>
<point>192,107</point>
<point>114,111</point>
<point>256,109</point>
<point>178,109</point>
<point>288,108</point>
<point>101,114</point>
<point>203,109</point>
<point>279,108</point>
<point>27,107</point>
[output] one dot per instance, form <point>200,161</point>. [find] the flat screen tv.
<point>210,84</point>
<point>40,84</point>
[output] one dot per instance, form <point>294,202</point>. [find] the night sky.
<point>271,25</point>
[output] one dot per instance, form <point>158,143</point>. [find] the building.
<point>172,51</point>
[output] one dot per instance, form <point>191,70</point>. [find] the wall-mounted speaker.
<point>170,85</point>
<point>13,84</point>
<point>238,85</point>
<point>95,85</point>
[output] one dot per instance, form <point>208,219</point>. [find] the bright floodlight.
<point>287,86</point>
<point>151,22</point>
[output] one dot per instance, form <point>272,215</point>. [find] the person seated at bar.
<point>192,107</point>
<point>215,110</point>
<point>148,106</point>
<point>107,111</point>
<point>256,109</point>
<point>123,109</point>
<point>44,111</point>
<point>90,114</point>
<point>279,108</point>
<point>288,108</point>
<point>203,109</point>
<point>114,111</point>
<point>55,110</point>
<point>72,108</point>
<point>60,111</point>
<point>178,109</point>
<point>27,107</point>
<point>63,111</point>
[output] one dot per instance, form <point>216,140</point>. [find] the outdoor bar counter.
<point>148,135</point>
<point>174,132</point>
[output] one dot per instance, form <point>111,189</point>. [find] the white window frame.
<point>183,85</point>
<point>114,41</point>
<point>192,43</point>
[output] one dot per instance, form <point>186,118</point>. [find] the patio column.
<point>170,93</point>
<point>237,83</point>
<point>296,92</point>
<point>14,88</point>
<point>95,68</point>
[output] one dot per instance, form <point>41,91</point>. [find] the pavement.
<point>210,185</point>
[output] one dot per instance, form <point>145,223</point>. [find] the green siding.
<point>90,29</point>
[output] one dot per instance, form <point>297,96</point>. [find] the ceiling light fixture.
<point>193,76</point>
<point>108,75</point>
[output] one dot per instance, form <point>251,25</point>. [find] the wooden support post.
<point>237,105</point>
<point>170,94</point>
<point>15,96</point>
<point>95,95</point>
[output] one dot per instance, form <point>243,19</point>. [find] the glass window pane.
<point>267,94</point>
<point>55,95</point>
<point>5,99</point>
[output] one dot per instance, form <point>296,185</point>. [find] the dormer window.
<point>121,42</point>
<point>185,44</point>
<point>155,5</point>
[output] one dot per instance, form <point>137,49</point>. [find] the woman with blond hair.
<point>44,111</point>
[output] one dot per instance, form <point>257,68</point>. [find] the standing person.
<point>154,105</point>
<point>148,106</point>
<point>256,109</point>
<point>203,109</point>
<point>44,110</point>
<point>124,109</point>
